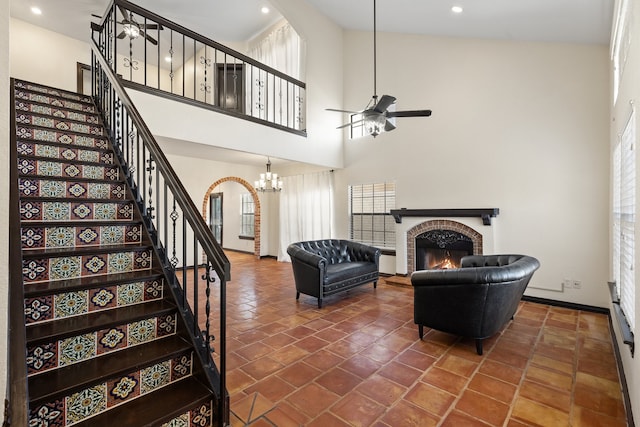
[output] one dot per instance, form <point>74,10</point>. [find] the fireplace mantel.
<point>485,214</point>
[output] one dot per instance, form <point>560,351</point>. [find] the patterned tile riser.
<point>46,168</point>
<point>200,416</point>
<point>53,123</point>
<point>54,102</point>
<point>44,135</point>
<point>68,304</point>
<point>80,236</point>
<point>64,153</point>
<point>53,92</point>
<point>73,267</point>
<point>34,210</point>
<point>69,351</point>
<point>57,112</point>
<point>34,187</point>
<point>111,393</point>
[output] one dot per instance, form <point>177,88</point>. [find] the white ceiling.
<point>581,21</point>
<point>575,21</point>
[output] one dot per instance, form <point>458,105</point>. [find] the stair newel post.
<point>196,307</point>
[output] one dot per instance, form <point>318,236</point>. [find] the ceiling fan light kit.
<point>376,117</point>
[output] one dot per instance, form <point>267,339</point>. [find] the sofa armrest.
<point>298,254</point>
<point>362,252</point>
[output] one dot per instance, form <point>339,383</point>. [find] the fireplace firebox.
<point>441,249</point>
<point>440,243</point>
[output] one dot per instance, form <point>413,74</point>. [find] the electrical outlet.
<point>577,284</point>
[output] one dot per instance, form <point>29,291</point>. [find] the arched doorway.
<point>256,201</point>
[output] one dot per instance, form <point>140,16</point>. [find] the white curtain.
<point>269,98</point>
<point>306,209</point>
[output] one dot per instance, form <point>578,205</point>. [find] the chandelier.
<point>268,181</point>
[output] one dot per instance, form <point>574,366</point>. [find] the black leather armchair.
<point>475,300</point>
<point>326,267</point>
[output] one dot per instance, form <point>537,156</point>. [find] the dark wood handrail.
<point>212,249</point>
<point>16,411</point>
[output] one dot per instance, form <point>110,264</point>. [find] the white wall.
<point>4,191</point>
<point>45,57</point>
<point>515,126</point>
<point>630,91</point>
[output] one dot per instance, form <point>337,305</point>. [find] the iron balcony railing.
<point>181,237</point>
<point>151,53</point>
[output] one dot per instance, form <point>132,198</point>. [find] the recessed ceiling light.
<point>36,10</point>
<point>167,58</point>
<point>265,9</point>
<point>456,9</point>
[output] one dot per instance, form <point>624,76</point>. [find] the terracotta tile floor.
<point>358,361</point>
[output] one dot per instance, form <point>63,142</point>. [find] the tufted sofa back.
<point>333,250</point>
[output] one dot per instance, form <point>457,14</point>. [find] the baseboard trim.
<point>564,304</point>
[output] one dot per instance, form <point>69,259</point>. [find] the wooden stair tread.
<point>89,282</point>
<point>77,325</point>
<point>156,408</point>
<point>64,381</point>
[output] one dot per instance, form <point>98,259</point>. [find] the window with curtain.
<point>624,210</point>
<point>247,209</point>
<point>369,212</point>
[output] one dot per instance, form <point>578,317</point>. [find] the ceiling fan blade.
<point>96,27</point>
<point>124,12</point>
<point>96,16</point>
<point>385,102</point>
<point>148,37</point>
<point>152,26</point>
<point>122,35</point>
<point>350,124</point>
<point>388,126</point>
<point>342,111</point>
<point>409,113</point>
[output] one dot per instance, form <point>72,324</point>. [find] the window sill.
<point>627,335</point>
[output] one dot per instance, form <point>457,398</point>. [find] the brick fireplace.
<point>478,226</point>
<point>440,225</point>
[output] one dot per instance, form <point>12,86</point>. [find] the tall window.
<point>246,215</point>
<point>369,211</point>
<point>624,214</point>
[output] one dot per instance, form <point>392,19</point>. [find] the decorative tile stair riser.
<point>44,135</point>
<point>67,304</point>
<point>64,153</point>
<point>46,356</point>
<point>34,210</point>
<point>54,101</point>
<point>52,237</point>
<point>53,92</point>
<point>76,266</point>
<point>54,123</point>
<point>46,168</point>
<point>56,112</point>
<point>35,187</point>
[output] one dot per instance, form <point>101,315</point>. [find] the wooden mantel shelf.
<point>485,214</point>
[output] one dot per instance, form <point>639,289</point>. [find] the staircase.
<point>106,342</point>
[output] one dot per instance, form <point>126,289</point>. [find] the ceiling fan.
<point>132,28</point>
<point>376,117</point>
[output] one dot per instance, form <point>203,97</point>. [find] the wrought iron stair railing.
<point>153,54</point>
<point>181,238</point>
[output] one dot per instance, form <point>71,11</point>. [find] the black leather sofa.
<point>326,267</point>
<point>475,300</point>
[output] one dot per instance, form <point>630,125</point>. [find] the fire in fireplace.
<point>441,249</point>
